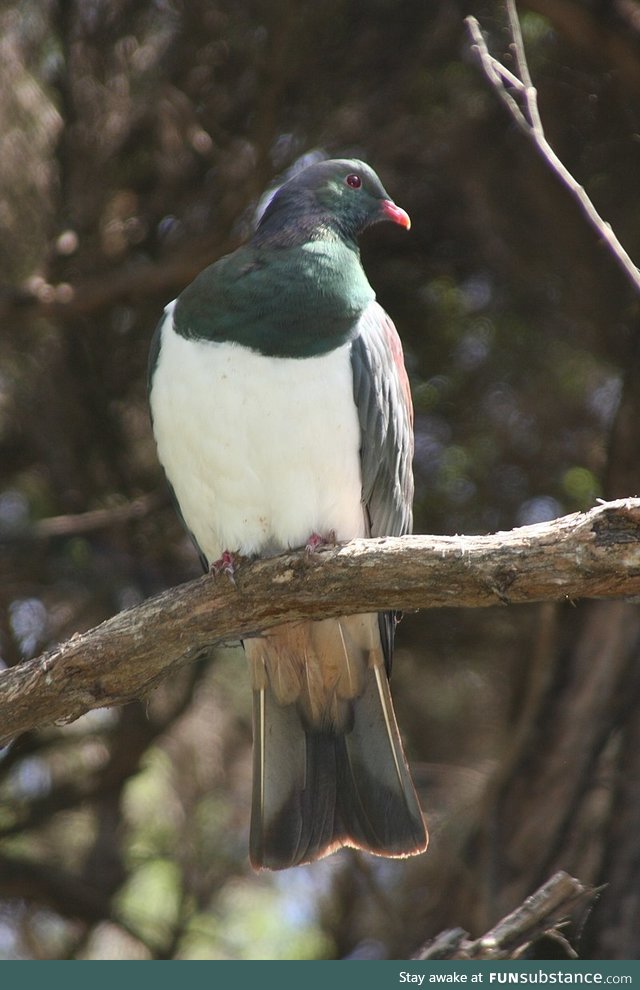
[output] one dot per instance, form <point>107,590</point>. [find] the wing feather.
<point>383,399</point>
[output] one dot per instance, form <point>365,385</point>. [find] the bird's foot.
<point>225,565</point>
<point>317,542</point>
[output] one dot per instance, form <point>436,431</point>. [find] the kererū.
<point>282,416</point>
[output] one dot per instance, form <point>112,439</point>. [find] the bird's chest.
<point>261,452</point>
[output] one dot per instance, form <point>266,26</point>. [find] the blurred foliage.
<point>137,139</point>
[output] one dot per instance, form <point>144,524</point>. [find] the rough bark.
<point>543,913</point>
<point>585,555</point>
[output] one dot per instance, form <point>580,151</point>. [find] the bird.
<point>282,415</point>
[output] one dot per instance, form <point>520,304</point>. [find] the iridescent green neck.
<point>282,301</point>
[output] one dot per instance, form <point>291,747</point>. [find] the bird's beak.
<point>392,212</point>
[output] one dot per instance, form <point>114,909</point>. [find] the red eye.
<point>354,181</point>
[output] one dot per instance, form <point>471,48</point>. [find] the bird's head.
<point>340,195</point>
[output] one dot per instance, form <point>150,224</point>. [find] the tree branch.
<point>126,282</point>
<point>540,914</point>
<point>595,554</point>
<point>511,89</point>
<point>81,523</point>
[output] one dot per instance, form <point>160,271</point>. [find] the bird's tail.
<point>329,769</point>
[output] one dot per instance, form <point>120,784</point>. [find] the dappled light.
<point>140,142</point>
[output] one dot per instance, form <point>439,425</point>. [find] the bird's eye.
<point>354,181</point>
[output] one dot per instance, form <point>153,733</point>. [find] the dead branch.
<point>127,282</point>
<point>519,96</point>
<point>543,913</point>
<point>595,554</point>
<point>82,523</point>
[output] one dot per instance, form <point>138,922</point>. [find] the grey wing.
<point>383,399</point>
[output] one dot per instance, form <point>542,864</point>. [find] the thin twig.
<point>81,523</point>
<point>543,913</point>
<point>507,75</point>
<point>529,91</point>
<point>530,122</point>
<point>495,71</point>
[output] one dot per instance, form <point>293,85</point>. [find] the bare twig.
<point>529,92</point>
<point>124,283</point>
<point>80,523</point>
<point>543,913</point>
<point>508,86</point>
<point>586,555</point>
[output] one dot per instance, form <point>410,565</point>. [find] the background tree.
<point>137,139</point>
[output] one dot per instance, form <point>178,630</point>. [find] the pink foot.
<point>317,542</point>
<point>225,565</point>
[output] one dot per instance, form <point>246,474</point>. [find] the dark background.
<point>135,140</point>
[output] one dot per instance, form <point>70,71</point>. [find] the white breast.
<point>261,452</point>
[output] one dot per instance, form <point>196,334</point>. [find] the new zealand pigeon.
<point>282,415</point>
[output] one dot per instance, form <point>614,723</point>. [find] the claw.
<point>317,542</point>
<point>225,565</point>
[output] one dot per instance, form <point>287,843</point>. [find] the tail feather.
<point>294,802</point>
<point>380,807</point>
<point>332,772</point>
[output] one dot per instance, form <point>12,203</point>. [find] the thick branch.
<point>585,555</point>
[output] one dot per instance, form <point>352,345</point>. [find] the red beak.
<point>392,212</point>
